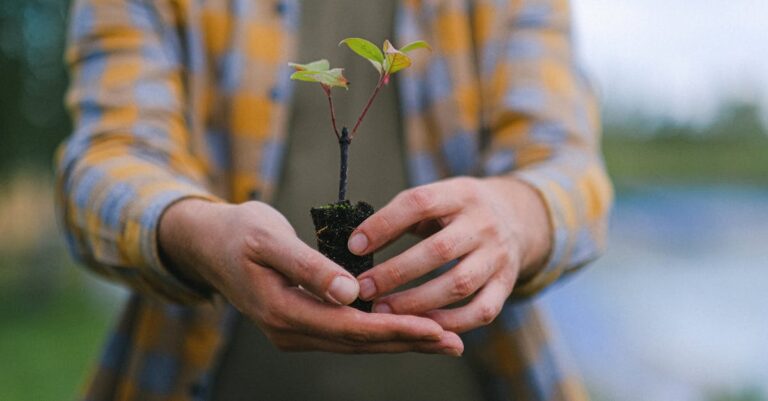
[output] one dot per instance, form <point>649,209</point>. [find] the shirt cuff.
<point>563,230</point>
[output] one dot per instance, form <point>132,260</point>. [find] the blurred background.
<point>676,310</point>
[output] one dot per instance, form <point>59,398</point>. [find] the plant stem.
<point>327,91</point>
<point>368,105</point>
<point>344,141</point>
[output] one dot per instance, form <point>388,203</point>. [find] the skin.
<point>497,228</point>
<point>251,255</point>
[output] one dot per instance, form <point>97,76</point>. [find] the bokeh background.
<point>676,310</point>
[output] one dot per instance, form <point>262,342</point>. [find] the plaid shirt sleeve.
<point>129,157</point>
<point>545,128</point>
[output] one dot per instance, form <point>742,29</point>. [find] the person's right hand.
<point>251,255</point>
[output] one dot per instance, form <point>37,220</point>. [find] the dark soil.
<point>333,225</point>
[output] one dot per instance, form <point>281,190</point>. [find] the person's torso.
<point>252,368</point>
<point>231,56</point>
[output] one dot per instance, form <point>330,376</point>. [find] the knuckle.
<point>359,337</point>
<point>254,246</point>
<point>472,197</point>
<point>272,318</point>
<point>307,267</point>
<point>378,223</point>
<point>406,305</point>
<point>487,312</point>
<point>490,229</point>
<point>355,332</point>
<point>395,275</point>
<point>463,285</point>
<point>421,199</point>
<point>443,248</point>
<point>272,321</point>
<point>504,258</point>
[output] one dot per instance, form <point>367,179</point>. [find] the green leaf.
<point>394,60</point>
<point>367,50</point>
<point>419,44</point>
<point>364,48</point>
<point>318,65</point>
<point>330,78</point>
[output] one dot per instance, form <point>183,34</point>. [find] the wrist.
<point>181,231</point>
<point>529,211</point>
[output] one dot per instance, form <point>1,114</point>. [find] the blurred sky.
<point>680,58</point>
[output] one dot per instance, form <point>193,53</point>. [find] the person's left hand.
<point>496,227</point>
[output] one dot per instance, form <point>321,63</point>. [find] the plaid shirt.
<point>184,98</point>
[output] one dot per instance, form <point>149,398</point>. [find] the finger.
<point>312,270</point>
<point>453,242</point>
<point>452,286</point>
<point>412,206</point>
<point>309,317</point>
<point>483,309</point>
<point>426,228</point>
<point>449,344</point>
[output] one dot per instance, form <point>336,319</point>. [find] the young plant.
<point>387,61</point>
<point>335,222</point>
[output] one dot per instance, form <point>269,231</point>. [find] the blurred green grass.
<point>54,316</point>
<point>732,148</point>
<point>685,160</point>
<point>49,340</point>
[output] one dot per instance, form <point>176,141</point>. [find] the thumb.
<point>312,270</point>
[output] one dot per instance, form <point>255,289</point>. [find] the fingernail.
<point>343,290</point>
<point>382,308</point>
<point>358,243</point>
<point>367,288</point>
<point>451,352</point>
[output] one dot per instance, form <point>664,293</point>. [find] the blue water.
<point>677,309</point>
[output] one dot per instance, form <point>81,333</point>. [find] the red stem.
<point>367,106</point>
<point>333,112</point>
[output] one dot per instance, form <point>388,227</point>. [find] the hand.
<point>251,255</point>
<point>497,228</point>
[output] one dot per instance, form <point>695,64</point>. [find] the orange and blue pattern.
<point>184,98</point>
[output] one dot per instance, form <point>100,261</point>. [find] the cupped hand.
<point>497,229</point>
<point>252,256</point>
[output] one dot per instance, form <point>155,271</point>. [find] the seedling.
<point>335,222</point>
